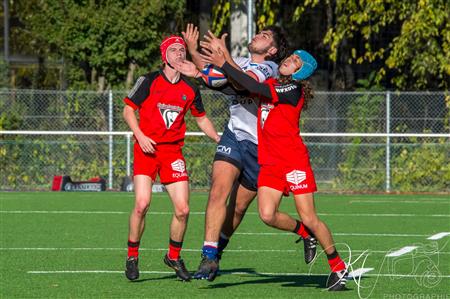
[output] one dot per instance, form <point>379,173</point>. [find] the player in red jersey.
<point>235,168</point>
<point>162,99</point>
<point>282,155</point>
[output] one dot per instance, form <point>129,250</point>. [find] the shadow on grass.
<point>255,278</point>
<point>174,277</point>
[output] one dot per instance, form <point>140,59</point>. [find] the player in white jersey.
<point>235,168</point>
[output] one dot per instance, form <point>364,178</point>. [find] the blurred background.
<point>379,121</point>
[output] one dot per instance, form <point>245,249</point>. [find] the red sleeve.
<point>130,103</point>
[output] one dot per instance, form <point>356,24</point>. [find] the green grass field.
<point>73,245</point>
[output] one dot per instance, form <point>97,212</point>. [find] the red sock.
<point>133,248</point>
<point>301,230</point>
<point>174,249</point>
<point>335,262</point>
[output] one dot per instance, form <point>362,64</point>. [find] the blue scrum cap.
<point>308,67</point>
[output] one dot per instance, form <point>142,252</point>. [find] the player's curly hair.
<point>308,92</point>
<point>305,85</point>
<point>281,43</point>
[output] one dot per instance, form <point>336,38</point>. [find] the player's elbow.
<point>126,111</point>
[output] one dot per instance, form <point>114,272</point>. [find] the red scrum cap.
<point>167,42</point>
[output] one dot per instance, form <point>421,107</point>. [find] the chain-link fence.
<point>358,141</point>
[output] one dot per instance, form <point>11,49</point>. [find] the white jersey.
<point>244,110</point>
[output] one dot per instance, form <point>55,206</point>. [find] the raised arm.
<point>211,42</point>
<point>218,58</point>
<point>191,38</point>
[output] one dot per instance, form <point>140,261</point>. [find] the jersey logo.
<point>169,113</point>
<point>296,177</point>
<point>285,88</point>
<point>265,110</point>
<point>178,165</point>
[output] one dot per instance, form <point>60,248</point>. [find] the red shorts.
<point>167,161</point>
<point>295,179</point>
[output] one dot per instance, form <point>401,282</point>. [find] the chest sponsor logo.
<point>263,69</point>
<point>265,110</point>
<point>169,113</point>
<point>296,177</point>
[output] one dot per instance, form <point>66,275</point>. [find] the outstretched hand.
<point>214,41</point>
<point>210,55</point>
<point>191,37</point>
<point>186,67</point>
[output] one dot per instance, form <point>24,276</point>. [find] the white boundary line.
<point>125,133</point>
<point>402,251</point>
<point>336,234</point>
<point>447,202</point>
<point>184,249</point>
<point>359,272</point>
<point>203,213</point>
<point>222,273</point>
<point>438,236</point>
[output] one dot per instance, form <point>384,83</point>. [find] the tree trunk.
<point>101,84</point>
<point>130,75</point>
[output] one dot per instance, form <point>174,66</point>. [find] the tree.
<point>103,41</point>
<point>408,42</point>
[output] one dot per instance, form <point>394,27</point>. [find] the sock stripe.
<point>297,226</point>
<point>133,244</point>
<point>176,243</point>
<point>332,255</point>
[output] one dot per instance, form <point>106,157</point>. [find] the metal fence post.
<point>388,141</point>
<point>110,127</point>
<point>128,154</point>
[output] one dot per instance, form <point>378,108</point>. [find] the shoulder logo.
<point>178,165</point>
<point>184,97</point>
<point>296,176</point>
<point>169,113</point>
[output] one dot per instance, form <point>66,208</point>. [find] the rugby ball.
<point>213,76</point>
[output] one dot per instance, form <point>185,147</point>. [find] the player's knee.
<point>240,210</point>
<point>267,216</point>
<point>218,194</point>
<point>311,221</point>
<point>182,213</point>
<point>141,208</point>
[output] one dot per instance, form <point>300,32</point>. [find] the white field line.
<point>401,251</point>
<point>222,273</point>
<point>203,213</point>
<point>359,272</point>
<point>394,199</point>
<point>438,236</point>
<point>184,249</point>
<point>447,202</point>
<point>338,234</point>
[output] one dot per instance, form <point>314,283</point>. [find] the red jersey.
<point>278,125</point>
<point>163,105</point>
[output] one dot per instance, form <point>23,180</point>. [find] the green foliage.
<point>355,171</point>
<point>103,37</point>
<point>221,16</point>
<point>416,57</point>
<point>266,12</point>
<point>423,167</point>
<point>4,69</point>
